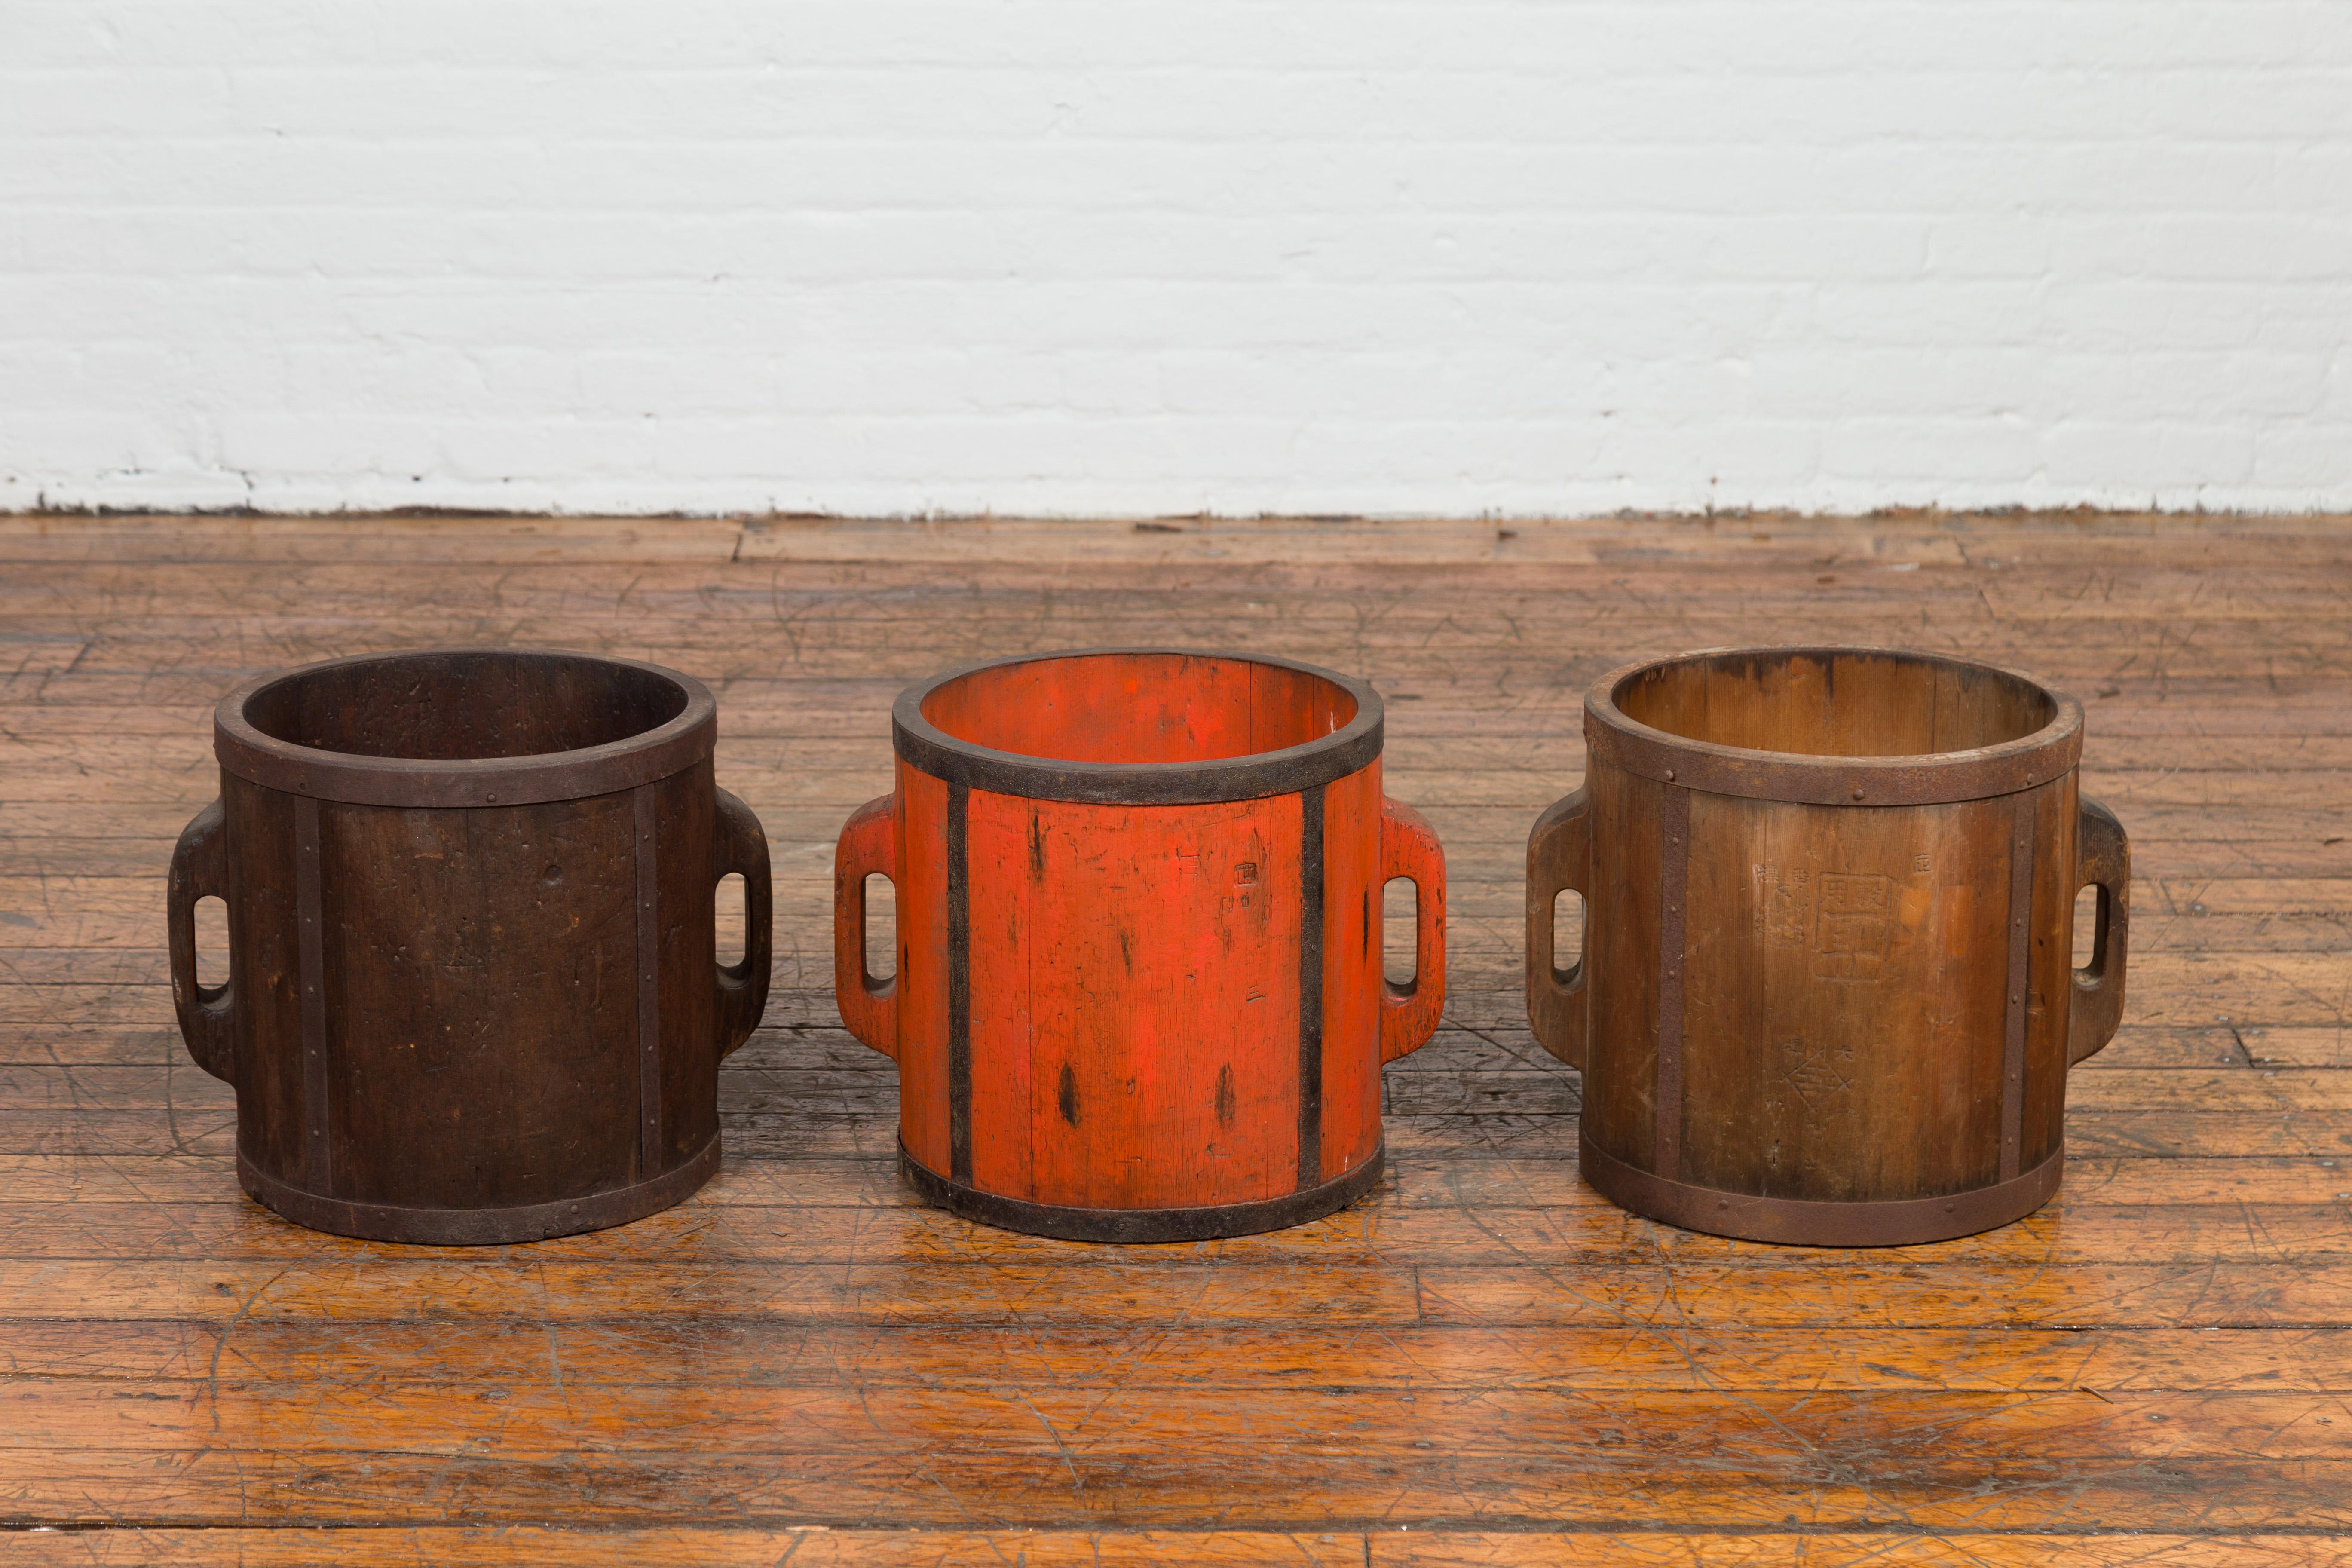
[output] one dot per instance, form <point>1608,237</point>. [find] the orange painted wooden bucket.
<point>1138,992</point>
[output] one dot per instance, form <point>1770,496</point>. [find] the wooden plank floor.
<point>800,1366</point>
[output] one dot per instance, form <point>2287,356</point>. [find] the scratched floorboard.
<point>802,1364</point>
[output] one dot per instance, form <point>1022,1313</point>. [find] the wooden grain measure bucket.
<point>473,991</point>
<point>1138,992</point>
<point>1826,994</point>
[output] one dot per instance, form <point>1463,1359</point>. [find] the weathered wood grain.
<point>818,1546</point>
<point>1435,1178</point>
<point>660,1351</point>
<point>1398,1229</point>
<point>1790,1489</point>
<point>802,1364</point>
<point>797,1134</point>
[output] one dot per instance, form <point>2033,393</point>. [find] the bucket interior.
<point>1844,704</point>
<point>451,706</point>
<point>1140,708</point>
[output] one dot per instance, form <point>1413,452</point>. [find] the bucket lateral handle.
<point>1559,860</point>
<point>741,849</point>
<point>200,870</point>
<point>2102,859</point>
<point>868,847</point>
<point>1409,1012</point>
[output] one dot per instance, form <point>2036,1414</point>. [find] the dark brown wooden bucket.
<point>473,989</point>
<point>1826,994</point>
<point>1138,995</point>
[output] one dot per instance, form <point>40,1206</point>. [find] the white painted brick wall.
<point>1241,256</point>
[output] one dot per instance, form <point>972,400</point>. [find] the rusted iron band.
<point>443,783</point>
<point>649,1051</point>
<point>480,1227</point>
<point>1927,779</point>
<point>1802,1222</point>
<point>309,943</point>
<point>2020,978</point>
<point>924,745</point>
<point>958,984</point>
<point>1674,886</point>
<point>1310,988</point>
<point>1138,1225</point>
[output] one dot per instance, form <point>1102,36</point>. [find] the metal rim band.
<point>1310,988</point>
<point>1141,1226</point>
<point>484,1226</point>
<point>454,782</point>
<point>1805,1222</point>
<point>310,967</point>
<point>924,745</point>
<point>2017,980</point>
<point>1673,892</point>
<point>959,869</point>
<point>1927,779</point>
<point>649,1036</point>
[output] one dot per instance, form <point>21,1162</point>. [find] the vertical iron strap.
<point>310,940</point>
<point>2021,811</point>
<point>1673,882</point>
<point>958,983</point>
<point>1310,988</point>
<point>649,1095</point>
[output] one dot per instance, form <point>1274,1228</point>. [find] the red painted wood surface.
<point>1134,971</point>
<point>1140,707</point>
<point>1135,976</point>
